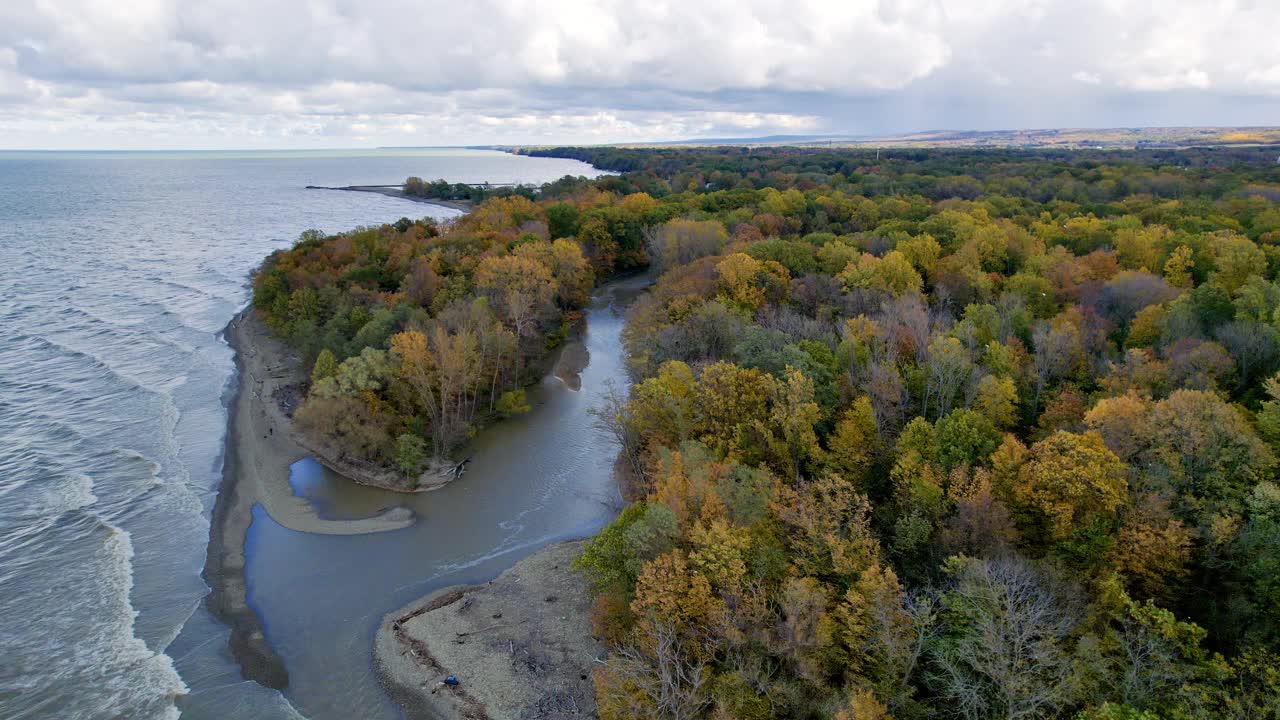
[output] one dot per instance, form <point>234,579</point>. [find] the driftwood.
<point>483,629</point>
<point>471,708</point>
<point>461,467</point>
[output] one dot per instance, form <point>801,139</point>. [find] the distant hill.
<point>1105,138</point>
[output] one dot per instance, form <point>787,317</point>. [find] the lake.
<point>123,268</point>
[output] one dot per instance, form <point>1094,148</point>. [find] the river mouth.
<point>534,479</point>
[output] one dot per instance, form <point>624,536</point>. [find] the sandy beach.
<point>519,645</point>
<point>260,448</point>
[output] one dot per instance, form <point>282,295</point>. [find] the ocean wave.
<point>87,657</point>
<point>93,360</point>
<point>158,685</point>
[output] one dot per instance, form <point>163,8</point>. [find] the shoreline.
<point>256,468</point>
<point>255,471</point>
<point>519,644</point>
<point>392,191</point>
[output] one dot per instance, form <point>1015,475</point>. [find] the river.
<point>121,271</point>
<point>536,478</point>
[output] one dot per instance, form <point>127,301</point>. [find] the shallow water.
<point>536,478</point>
<point>121,270</point>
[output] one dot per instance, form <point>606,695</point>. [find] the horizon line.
<point>717,139</point>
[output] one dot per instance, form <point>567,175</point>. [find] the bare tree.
<point>671,681</point>
<point>1009,308</point>
<point>949,369</point>
<point>1057,352</point>
<point>1255,348</point>
<point>1009,651</point>
<point>613,416</point>
<point>910,316</point>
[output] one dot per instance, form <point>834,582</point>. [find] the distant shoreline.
<point>393,191</point>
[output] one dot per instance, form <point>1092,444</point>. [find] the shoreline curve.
<point>255,471</point>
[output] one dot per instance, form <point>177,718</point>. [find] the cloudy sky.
<point>344,73</point>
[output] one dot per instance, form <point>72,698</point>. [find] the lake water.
<point>121,270</point>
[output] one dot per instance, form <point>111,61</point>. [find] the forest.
<point>913,434</point>
<point>416,333</point>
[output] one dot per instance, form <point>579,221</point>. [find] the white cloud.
<point>604,70</point>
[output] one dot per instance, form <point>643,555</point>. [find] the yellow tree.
<point>664,671</point>
<point>737,280</point>
<point>1138,248</point>
<point>521,287</point>
<point>1236,257</point>
<point>851,447</point>
<point>681,241</point>
<point>884,637</point>
<point>892,273</point>
<point>441,368</point>
<point>863,705</point>
<point>685,482</point>
<point>749,283</point>
<point>1124,423</point>
<point>719,552</point>
<point>457,364</point>
<point>1177,269</point>
<point>922,251</point>
<point>807,631</point>
<point>1152,548</point>
<point>1147,326</point>
<point>789,435</point>
<point>728,397</point>
<point>571,273</point>
<point>664,408</point>
<point>996,400</point>
<point>1212,454</point>
<point>829,526</point>
<point>1069,480</point>
<point>416,366</point>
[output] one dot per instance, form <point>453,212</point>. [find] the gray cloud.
<point>315,72</point>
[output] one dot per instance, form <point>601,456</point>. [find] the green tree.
<point>326,366</point>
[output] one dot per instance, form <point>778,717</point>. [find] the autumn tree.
<point>664,407</point>
<point>892,273</point>
<point>748,283</point>
<point>1211,454</point>
<point>852,445</point>
<point>1070,488</point>
<point>730,399</point>
<point>520,287</point>
<point>789,435</point>
<point>680,241</point>
<point>441,368</point>
<point>831,527</point>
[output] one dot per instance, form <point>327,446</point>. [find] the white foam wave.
<point>77,492</point>
<point>156,679</point>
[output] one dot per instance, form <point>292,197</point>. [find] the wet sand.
<point>260,448</point>
<point>520,645</point>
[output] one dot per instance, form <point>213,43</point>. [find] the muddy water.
<point>534,479</point>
